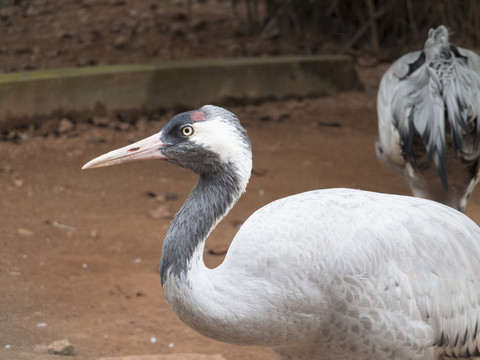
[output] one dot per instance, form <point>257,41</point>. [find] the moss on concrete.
<point>27,96</point>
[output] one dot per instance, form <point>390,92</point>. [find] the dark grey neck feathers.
<point>211,198</point>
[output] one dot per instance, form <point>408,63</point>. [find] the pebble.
<point>19,182</point>
<point>61,226</point>
<point>41,325</point>
<point>22,136</point>
<point>48,126</point>
<point>122,126</point>
<point>64,126</point>
<point>153,339</point>
<point>162,212</point>
<point>61,347</point>
<point>101,121</point>
<point>162,196</point>
<point>24,232</point>
<point>7,346</point>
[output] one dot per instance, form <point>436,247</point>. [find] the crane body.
<point>325,274</point>
<point>428,105</point>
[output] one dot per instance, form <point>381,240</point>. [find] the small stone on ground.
<point>61,347</point>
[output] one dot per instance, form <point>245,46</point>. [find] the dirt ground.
<point>80,249</point>
<point>47,34</point>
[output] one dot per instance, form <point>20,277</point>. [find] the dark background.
<point>46,34</point>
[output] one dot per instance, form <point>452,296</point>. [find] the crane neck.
<point>209,201</point>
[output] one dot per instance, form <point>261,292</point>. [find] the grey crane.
<point>325,274</point>
<point>428,105</point>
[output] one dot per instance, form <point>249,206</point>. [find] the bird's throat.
<point>210,200</point>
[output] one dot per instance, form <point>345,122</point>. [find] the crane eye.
<point>187,130</point>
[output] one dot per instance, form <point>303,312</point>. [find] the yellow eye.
<point>187,130</point>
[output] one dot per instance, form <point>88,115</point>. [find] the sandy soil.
<point>80,249</point>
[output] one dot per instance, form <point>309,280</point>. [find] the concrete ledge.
<point>31,96</point>
<point>185,356</point>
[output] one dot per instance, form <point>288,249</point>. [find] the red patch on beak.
<point>197,116</point>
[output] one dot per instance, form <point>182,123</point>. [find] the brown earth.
<point>80,249</point>
<point>47,34</point>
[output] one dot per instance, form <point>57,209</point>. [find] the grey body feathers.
<point>428,104</point>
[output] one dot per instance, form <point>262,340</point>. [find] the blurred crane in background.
<point>428,105</point>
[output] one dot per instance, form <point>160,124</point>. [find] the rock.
<point>61,226</point>
<point>9,135</point>
<point>18,182</point>
<point>274,115</point>
<point>100,121</point>
<point>162,212</point>
<point>64,126</point>
<point>94,136</point>
<point>61,347</point>
<point>22,136</point>
<point>122,126</point>
<point>48,127</point>
<point>162,196</point>
<point>24,232</point>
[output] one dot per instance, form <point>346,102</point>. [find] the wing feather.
<point>404,264</point>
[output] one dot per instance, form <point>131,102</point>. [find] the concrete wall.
<point>32,96</point>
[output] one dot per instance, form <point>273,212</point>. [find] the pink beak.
<point>148,148</point>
